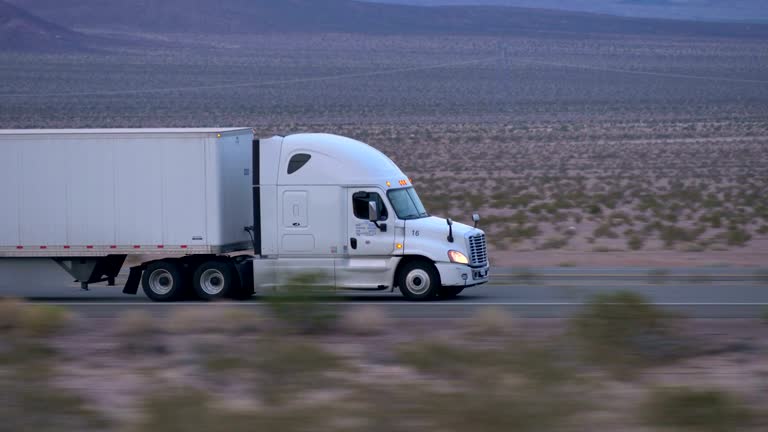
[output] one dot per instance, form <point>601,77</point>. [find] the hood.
<point>429,237</point>
<point>440,225</point>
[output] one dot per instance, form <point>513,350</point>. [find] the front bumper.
<point>462,275</point>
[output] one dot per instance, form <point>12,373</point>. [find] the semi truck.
<point>216,214</point>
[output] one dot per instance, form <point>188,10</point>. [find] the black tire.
<point>216,280</point>
<point>164,281</point>
<point>449,292</point>
<point>418,280</point>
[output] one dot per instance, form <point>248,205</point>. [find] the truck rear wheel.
<point>419,280</point>
<point>163,281</point>
<point>216,280</point>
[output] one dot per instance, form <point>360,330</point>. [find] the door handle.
<point>353,242</point>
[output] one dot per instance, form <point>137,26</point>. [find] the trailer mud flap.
<point>134,277</point>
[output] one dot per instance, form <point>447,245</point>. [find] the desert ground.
<point>575,149</point>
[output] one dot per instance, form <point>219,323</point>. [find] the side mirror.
<point>476,219</point>
<point>373,211</point>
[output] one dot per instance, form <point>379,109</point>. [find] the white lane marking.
<point>384,303</point>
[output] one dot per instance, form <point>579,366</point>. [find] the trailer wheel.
<point>419,280</point>
<point>163,281</point>
<point>216,280</point>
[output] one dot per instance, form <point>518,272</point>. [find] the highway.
<point>721,292</point>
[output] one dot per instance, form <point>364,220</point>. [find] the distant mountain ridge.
<point>700,10</point>
<point>22,31</point>
<point>349,16</point>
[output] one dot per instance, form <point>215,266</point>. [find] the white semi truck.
<point>191,204</point>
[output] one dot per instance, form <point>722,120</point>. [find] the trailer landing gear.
<point>88,270</point>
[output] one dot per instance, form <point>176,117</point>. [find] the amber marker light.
<point>399,245</point>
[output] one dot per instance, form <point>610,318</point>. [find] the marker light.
<point>389,184</point>
<point>399,245</point>
<point>218,135</point>
<point>457,257</point>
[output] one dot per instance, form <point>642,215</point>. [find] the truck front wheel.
<point>216,280</point>
<point>419,280</point>
<point>163,281</point>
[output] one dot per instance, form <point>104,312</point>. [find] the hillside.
<point>256,16</point>
<point>22,31</point>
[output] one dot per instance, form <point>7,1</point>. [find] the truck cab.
<point>341,209</point>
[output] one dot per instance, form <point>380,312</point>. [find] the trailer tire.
<point>419,280</point>
<point>216,280</point>
<point>164,281</point>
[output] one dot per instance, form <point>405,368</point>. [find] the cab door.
<point>367,254</point>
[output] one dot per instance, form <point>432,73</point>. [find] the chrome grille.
<point>478,255</point>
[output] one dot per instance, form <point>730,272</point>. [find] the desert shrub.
<point>605,230</point>
<point>715,220</point>
<point>210,318</point>
<point>536,365</point>
<point>635,242</point>
<point>191,410</point>
<point>692,247</point>
<point>594,209</point>
<point>286,366</point>
<point>137,331</point>
<point>695,410</point>
<point>737,236</point>
<point>303,306</point>
<point>622,330</point>
<point>671,234</point>
<point>491,321</point>
<point>496,406</point>
<point>365,320</point>
<point>135,323</point>
<point>554,243</point>
<point>763,230</point>
<point>605,249</point>
<point>31,402</point>
<point>31,320</point>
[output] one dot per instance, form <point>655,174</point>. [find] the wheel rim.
<point>161,282</point>
<point>417,281</point>
<point>212,282</point>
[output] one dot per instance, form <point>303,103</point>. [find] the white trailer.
<point>185,199</point>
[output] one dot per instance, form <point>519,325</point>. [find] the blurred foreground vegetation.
<point>298,365</point>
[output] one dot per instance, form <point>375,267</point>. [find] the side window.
<point>297,162</point>
<point>360,205</point>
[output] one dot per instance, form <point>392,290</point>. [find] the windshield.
<point>407,204</point>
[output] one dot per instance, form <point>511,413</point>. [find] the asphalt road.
<point>544,292</point>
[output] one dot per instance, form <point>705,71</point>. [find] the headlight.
<point>457,257</point>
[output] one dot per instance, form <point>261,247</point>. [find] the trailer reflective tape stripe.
<point>183,246</point>
<point>67,247</point>
<point>19,247</point>
<point>43,247</point>
<point>160,246</point>
<point>137,247</point>
<point>89,247</point>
